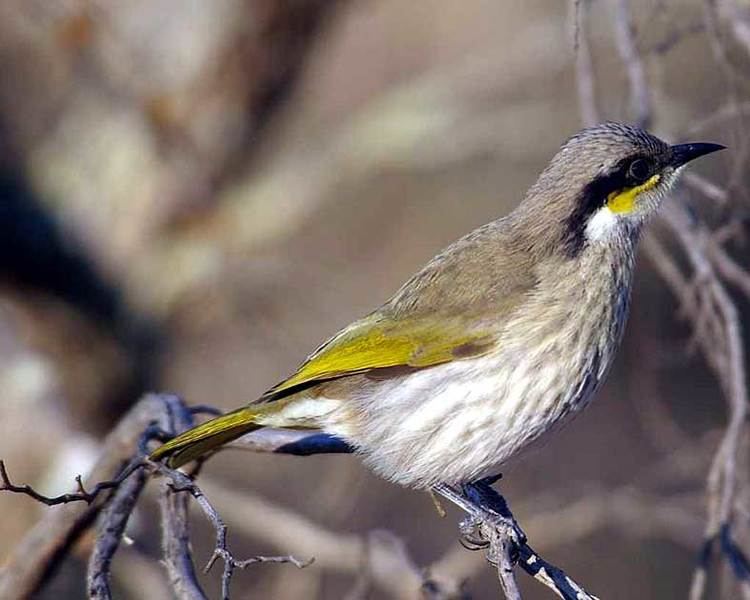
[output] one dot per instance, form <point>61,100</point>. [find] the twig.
<point>82,495</point>
<point>112,522</point>
<point>176,545</point>
<point>549,575</point>
<point>722,479</point>
<point>171,416</point>
<point>500,554</point>
<point>180,482</point>
<point>584,66</point>
<point>707,304</point>
<point>41,551</point>
<point>174,517</point>
<point>640,99</point>
<point>491,526</point>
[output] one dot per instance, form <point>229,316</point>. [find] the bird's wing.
<point>439,315</point>
<point>378,343</point>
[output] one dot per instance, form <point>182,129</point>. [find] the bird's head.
<point>607,179</point>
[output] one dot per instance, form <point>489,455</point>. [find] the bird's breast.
<point>462,420</point>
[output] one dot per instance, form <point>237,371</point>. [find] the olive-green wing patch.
<point>377,343</point>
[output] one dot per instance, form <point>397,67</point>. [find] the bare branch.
<point>174,520</point>
<point>491,526</point>
<point>82,495</point>
<point>722,478</point>
<point>584,67</point>
<point>180,482</point>
<point>40,551</point>
<point>111,528</point>
<point>176,545</point>
<point>640,98</point>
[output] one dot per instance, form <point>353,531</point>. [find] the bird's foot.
<point>475,535</point>
<point>488,513</point>
<point>489,508</point>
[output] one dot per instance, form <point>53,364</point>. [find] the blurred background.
<point>194,195</point>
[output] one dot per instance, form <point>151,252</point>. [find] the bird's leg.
<point>484,505</point>
<point>495,508</point>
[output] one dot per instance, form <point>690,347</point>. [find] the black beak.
<point>684,153</point>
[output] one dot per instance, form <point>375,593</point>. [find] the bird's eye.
<point>639,170</point>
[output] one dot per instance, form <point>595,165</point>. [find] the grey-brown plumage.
<point>498,339</point>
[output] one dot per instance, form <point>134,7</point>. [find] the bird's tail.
<point>208,436</point>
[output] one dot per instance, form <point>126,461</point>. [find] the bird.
<point>499,339</point>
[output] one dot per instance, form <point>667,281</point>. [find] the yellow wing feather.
<point>375,343</point>
<point>371,343</point>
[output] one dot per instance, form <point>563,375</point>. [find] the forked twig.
<point>180,482</point>
<point>492,527</point>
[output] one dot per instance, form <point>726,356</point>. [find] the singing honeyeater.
<point>499,338</point>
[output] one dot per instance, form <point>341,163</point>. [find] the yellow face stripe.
<point>623,201</point>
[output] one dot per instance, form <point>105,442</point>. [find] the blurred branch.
<point>723,476</point>
<point>739,19</point>
<point>640,97</point>
<point>44,547</point>
<point>169,417</point>
<point>714,317</point>
<point>490,525</point>
<point>583,65</point>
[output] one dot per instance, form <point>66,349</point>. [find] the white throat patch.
<point>602,224</point>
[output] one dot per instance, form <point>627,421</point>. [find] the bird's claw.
<point>471,533</point>
<point>475,537</point>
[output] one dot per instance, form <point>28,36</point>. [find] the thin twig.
<point>177,553</point>
<point>180,482</point>
<point>640,98</point>
<point>41,550</point>
<point>491,526</point>
<point>112,522</point>
<point>705,301</point>
<point>81,495</point>
<point>583,64</point>
<point>722,479</point>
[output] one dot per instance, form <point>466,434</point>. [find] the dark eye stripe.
<point>594,195</point>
